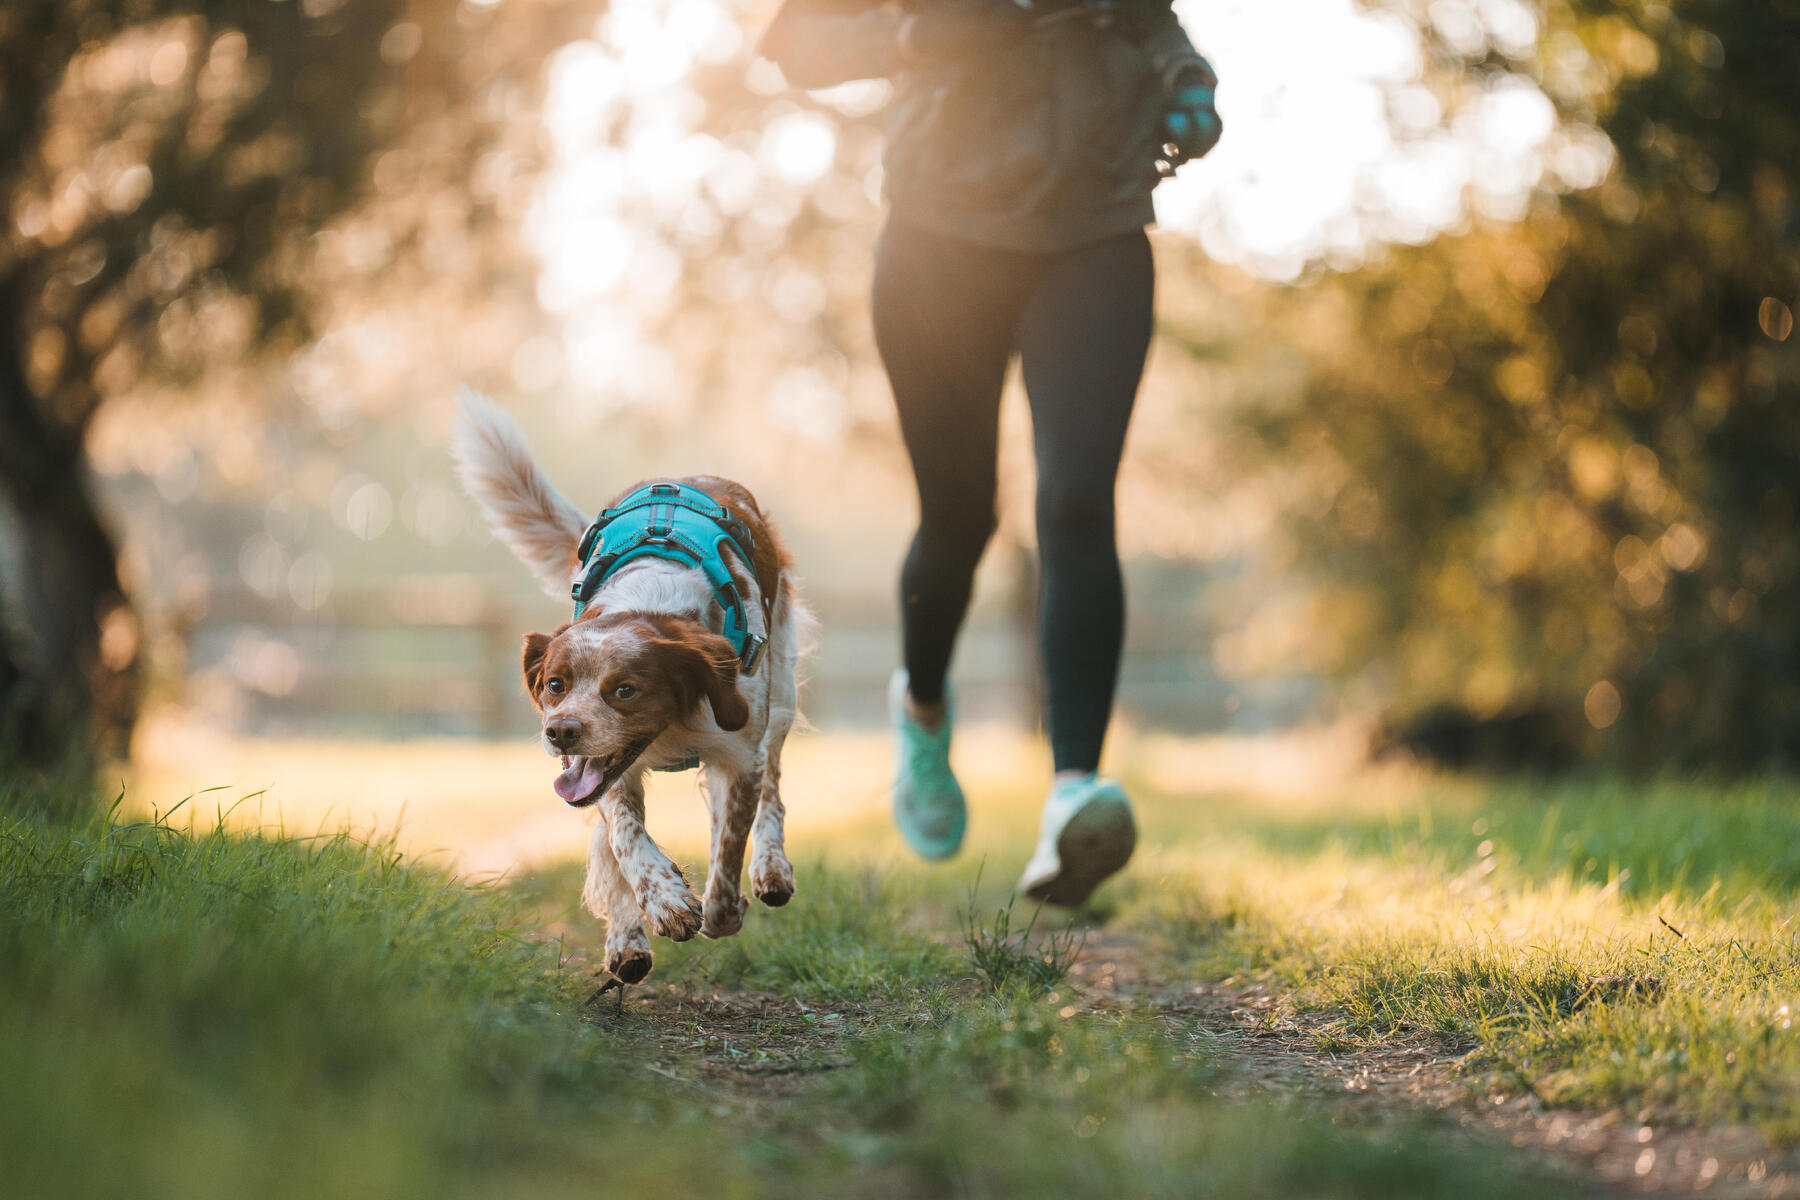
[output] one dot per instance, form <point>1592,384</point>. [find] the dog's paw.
<point>674,915</point>
<point>630,964</point>
<point>724,916</point>
<point>772,879</point>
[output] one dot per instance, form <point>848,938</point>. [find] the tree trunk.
<point>59,693</point>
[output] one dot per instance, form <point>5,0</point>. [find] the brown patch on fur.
<point>532,664</point>
<point>698,662</point>
<point>665,664</point>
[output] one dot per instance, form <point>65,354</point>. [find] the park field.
<point>1318,978</point>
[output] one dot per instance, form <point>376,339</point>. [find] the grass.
<point>225,1016</point>
<point>1012,1097</point>
<point>1600,945</point>
<point>983,1073</point>
<point>189,1011</point>
<point>200,1010</point>
<point>1008,961</point>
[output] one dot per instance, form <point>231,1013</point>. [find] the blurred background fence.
<point>437,655</point>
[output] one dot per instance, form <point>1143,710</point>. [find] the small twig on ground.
<point>612,983</point>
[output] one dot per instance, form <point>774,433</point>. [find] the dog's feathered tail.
<point>533,519</point>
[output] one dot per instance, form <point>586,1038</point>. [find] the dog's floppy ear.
<point>704,664</point>
<point>721,671</point>
<point>532,663</point>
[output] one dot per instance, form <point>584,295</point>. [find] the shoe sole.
<point>1095,844</point>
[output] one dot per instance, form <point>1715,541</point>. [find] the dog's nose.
<point>563,733</point>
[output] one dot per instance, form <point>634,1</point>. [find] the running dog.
<point>682,651</point>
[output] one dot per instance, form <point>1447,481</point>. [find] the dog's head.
<point>609,685</point>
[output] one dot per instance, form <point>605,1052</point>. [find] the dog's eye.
<point>555,686</point>
<point>624,691</point>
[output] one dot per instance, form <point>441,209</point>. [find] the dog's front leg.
<point>608,895</point>
<point>731,797</point>
<point>669,904</point>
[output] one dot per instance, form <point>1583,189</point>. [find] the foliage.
<point>1550,466</point>
<point>238,233</point>
<point>177,198</point>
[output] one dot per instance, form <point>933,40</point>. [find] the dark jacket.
<point>1048,142</point>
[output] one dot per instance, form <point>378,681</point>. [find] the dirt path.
<point>759,1049</point>
<point>1274,1050</point>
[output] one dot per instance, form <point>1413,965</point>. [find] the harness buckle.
<point>740,533</point>
<point>754,649</point>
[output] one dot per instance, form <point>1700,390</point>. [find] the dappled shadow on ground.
<point>1555,967</point>
<point>1260,1038</point>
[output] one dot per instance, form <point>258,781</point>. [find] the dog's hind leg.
<point>771,875</point>
<point>732,797</point>
<point>608,895</point>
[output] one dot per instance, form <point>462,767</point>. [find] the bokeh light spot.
<point>1602,704</point>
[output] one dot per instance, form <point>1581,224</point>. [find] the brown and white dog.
<point>645,679</point>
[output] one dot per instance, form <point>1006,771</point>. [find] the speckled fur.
<point>655,626</point>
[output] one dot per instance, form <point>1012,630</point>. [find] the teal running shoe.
<point>928,802</point>
<point>1087,834</point>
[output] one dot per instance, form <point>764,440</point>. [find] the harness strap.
<point>682,524</point>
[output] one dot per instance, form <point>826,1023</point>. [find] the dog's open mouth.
<point>584,779</point>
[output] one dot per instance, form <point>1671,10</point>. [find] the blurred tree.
<point>168,168</point>
<point>1553,467</point>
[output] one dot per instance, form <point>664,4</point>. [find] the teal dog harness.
<point>684,525</point>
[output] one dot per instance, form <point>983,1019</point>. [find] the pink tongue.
<point>579,781</point>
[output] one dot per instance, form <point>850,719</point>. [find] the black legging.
<point>948,316</point>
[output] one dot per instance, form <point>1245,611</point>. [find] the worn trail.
<point>756,1050</point>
